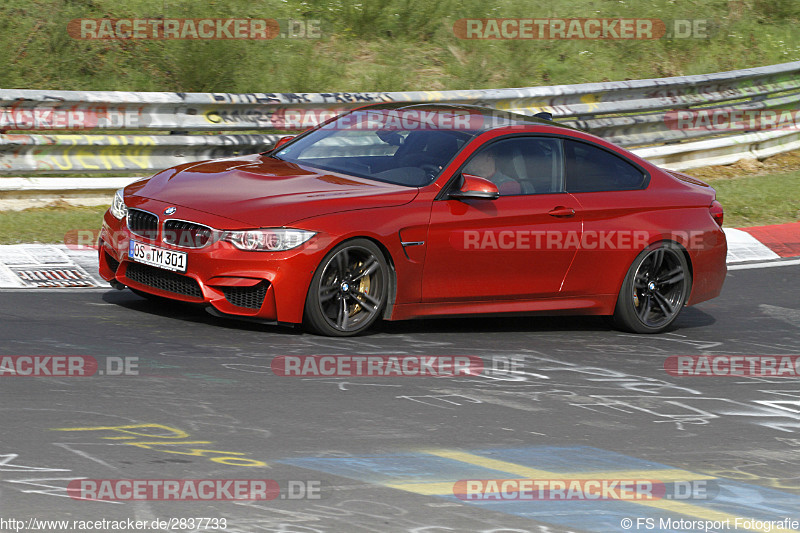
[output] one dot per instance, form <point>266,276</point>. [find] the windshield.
<point>404,147</point>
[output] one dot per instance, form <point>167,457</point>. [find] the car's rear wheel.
<point>348,291</point>
<point>654,291</point>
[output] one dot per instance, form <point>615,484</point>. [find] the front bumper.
<point>270,286</point>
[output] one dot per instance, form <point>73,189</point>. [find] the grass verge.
<point>382,45</point>
<point>759,200</point>
<point>47,224</point>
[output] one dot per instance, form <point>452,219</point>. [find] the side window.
<point>520,165</point>
<point>592,169</point>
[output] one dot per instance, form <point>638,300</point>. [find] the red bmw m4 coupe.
<point>404,211</point>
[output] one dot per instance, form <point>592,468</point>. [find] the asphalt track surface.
<point>585,402</point>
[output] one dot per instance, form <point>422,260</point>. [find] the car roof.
<point>499,118</point>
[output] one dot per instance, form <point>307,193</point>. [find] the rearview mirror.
<point>475,187</point>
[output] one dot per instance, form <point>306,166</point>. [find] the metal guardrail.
<point>630,113</point>
<point>85,153</point>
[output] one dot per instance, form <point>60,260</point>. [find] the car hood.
<point>260,191</point>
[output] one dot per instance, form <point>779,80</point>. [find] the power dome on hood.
<point>261,191</point>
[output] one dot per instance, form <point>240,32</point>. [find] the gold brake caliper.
<point>363,287</point>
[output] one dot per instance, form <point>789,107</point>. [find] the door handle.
<point>561,211</point>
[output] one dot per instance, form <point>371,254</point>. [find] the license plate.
<point>157,257</point>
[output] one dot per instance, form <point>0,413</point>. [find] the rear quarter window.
<point>590,168</point>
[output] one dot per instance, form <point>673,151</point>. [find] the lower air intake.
<point>163,279</point>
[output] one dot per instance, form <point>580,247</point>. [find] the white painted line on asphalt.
<point>8,279</point>
<point>104,288</point>
<point>64,184</point>
<point>765,264</point>
<point>788,315</point>
<point>35,265</point>
<point>744,247</point>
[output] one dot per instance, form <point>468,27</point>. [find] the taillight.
<point>717,213</point>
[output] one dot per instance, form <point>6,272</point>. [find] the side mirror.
<point>475,187</point>
<point>282,141</point>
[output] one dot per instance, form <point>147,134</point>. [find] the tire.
<point>348,291</point>
<point>654,291</point>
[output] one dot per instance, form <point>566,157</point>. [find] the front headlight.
<point>118,207</point>
<point>267,240</point>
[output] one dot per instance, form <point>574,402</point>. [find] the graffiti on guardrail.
<point>632,113</point>
<point>76,117</point>
<point>120,153</point>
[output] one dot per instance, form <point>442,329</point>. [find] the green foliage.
<point>380,45</point>
<point>47,224</point>
<point>759,200</point>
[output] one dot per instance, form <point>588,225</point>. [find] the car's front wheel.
<point>348,291</point>
<point>654,291</point>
